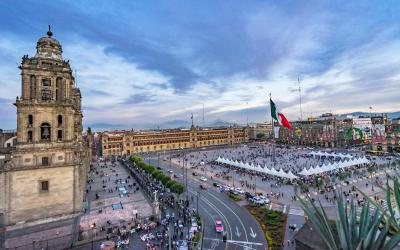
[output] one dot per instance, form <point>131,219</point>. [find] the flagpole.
<point>273,132</point>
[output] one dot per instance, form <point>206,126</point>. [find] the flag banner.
<point>276,132</point>
<point>278,116</point>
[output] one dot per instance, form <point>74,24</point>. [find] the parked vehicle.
<point>233,191</point>
<point>257,200</point>
<point>248,195</point>
<point>239,190</point>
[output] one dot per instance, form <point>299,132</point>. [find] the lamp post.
<point>233,178</point>
<point>158,159</point>
<point>93,227</point>
<point>197,202</point>
<point>255,180</point>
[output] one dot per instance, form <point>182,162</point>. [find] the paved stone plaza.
<point>113,197</point>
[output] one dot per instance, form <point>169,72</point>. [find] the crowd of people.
<point>323,186</point>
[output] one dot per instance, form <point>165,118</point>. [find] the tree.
<point>260,135</point>
<point>170,183</point>
<point>160,176</point>
<point>177,188</point>
<point>156,173</point>
<point>165,179</point>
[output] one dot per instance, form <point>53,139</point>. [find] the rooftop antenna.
<point>203,117</point>
<point>247,113</point>
<point>301,111</point>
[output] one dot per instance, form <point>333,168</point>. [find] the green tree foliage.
<point>260,135</point>
<point>175,186</point>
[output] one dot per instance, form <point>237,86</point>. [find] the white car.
<point>239,190</point>
<point>257,200</point>
<point>203,178</point>
<point>170,171</point>
<point>265,199</point>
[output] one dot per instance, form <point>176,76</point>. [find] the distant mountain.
<point>164,125</point>
<point>219,123</point>
<point>390,115</point>
<point>174,124</point>
<point>105,126</point>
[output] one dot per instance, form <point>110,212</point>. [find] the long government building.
<point>130,142</point>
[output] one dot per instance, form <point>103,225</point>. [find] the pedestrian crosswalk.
<point>296,211</point>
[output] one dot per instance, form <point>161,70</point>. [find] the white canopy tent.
<point>258,168</point>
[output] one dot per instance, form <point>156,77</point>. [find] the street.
<point>243,231</point>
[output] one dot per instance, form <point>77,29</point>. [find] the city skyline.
<point>161,61</point>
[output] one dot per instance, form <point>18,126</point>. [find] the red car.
<point>219,228</point>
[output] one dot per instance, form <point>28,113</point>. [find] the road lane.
<point>239,224</point>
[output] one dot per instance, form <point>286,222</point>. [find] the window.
<point>59,88</point>
<point>30,120</point>
<point>45,161</point>
<point>45,132</point>
<point>29,136</point>
<point>46,83</point>
<point>59,120</point>
<point>46,94</point>
<point>44,186</point>
<point>59,134</point>
<point>33,87</point>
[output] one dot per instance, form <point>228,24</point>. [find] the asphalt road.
<point>243,231</point>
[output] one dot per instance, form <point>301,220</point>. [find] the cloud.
<point>142,60</point>
<point>137,98</point>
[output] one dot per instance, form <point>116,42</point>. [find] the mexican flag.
<point>278,116</point>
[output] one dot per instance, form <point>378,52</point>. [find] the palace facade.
<point>43,177</point>
<point>337,131</point>
<point>132,142</point>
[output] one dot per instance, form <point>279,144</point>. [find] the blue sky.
<point>147,62</point>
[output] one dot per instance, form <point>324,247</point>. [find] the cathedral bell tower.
<point>47,174</point>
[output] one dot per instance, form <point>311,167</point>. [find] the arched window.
<point>46,90</point>
<point>29,136</point>
<point>33,87</point>
<point>45,132</point>
<point>59,120</point>
<point>58,89</point>
<point>59,135</point>
<point>30,120</point>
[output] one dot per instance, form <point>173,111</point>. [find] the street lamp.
<point>93,227</point>
<point>197,202</point>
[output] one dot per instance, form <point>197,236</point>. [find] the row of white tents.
<point>258,168</point>
<point>333,154</point>
<point>305,172</point>
<point>335,166</point>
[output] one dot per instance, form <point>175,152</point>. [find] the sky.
<point>142,63</point>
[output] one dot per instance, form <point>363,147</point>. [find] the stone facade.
<point>337,131</point>
<point>45,176</point>
<point>264,130</point>
<point>131,142</point>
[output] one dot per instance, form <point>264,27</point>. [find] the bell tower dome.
<point>48,47</point>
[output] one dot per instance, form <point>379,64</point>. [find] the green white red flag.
<point>278,116</point>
